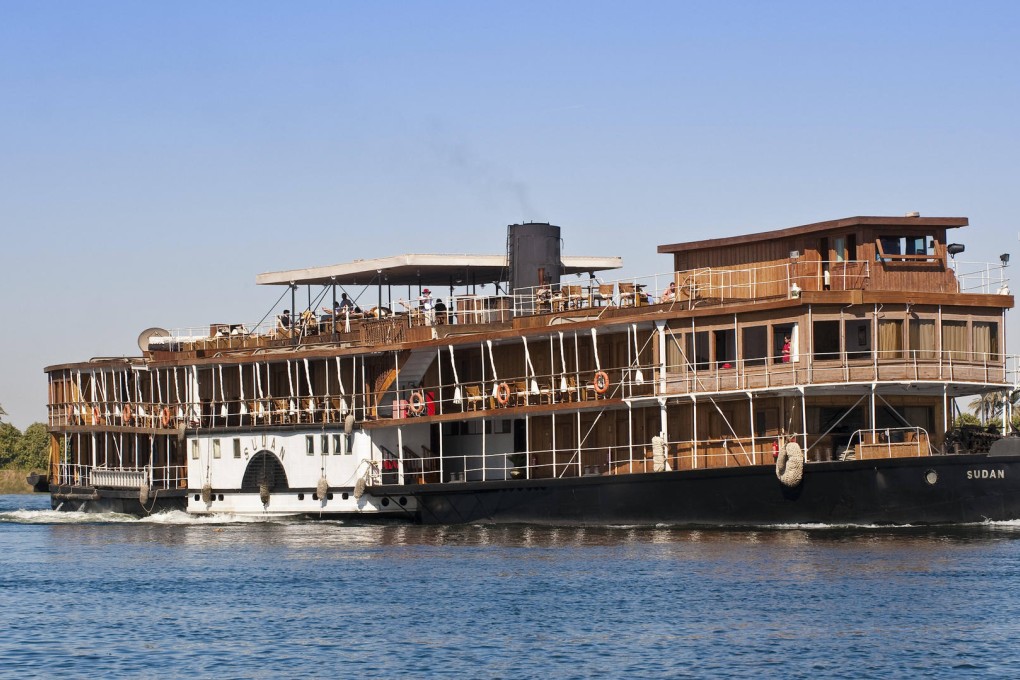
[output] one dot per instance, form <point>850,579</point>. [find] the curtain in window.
<point>890,339</point>
<point>986,341</point>
<point>954,340</point>
<point>922,338</point>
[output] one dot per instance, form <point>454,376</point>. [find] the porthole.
<point>329,496</point>
<point>197,497</point>
<point>385,502</point>
<point>403,500</point>
<point>221,497</point>
<point>315,496</point>
<point>300,496</point>
<point>931,477</point>
<point>344,495</point>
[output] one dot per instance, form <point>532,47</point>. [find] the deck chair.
<point>627,294</point>
<point>574,296</point>
<point>603,294</point>
<point>281,411</point>
<point>520,393</point>
<point>473,397</point>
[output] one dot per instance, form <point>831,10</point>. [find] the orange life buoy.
<point>417,403</point>
<point>164,416</point>
<point>126,413</point>
<point>502,394</point>
<point>601,382</point>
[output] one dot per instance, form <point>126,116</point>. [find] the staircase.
<point>411,368</point>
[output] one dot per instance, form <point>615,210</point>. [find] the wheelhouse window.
<point>237,448</point>
<point>911,248</point>
<point>215,448</point>
<point>310,444</point>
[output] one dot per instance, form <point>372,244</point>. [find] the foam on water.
<point>173,517</point>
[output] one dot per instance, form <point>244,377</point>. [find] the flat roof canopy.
<point>844,223</point>
<point>427,270</point>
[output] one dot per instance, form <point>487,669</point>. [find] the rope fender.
<point>790,465</point>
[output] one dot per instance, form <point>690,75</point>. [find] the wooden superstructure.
<point>852,337</point>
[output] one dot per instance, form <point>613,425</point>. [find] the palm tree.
<point>988,406</point>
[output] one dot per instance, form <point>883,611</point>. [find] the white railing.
<point>981,277</point>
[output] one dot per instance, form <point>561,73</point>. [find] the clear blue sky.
<point>154,157</point>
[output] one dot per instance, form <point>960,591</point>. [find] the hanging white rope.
<point>639,377</point>
<point>563,365</point>
<point>290,382</point>
<point>457,397</point>
<point>530,367</point>
<point>177,394</point>
<point>240,378</point>
<point>595,348</point>
<point>495,378</point>
<point>311,392</point>
<point>224,411</point>
<point>340,387</point>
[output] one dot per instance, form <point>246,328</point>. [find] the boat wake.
<point>173,517</point>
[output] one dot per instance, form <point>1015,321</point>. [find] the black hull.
<point>963,489</point>
<point>125,502</point>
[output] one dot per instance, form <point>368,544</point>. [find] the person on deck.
<point>786,349</point>
<point>669,295</point>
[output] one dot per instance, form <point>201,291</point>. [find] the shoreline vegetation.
<point>20,454</point>
<point>12,481</point>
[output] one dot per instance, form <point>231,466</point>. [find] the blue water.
<point>109,596</point>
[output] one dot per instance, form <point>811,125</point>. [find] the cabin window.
<point>766,422</point>
<point>700,350</point>
<point>890,339</point>
<point>839,249</point>
<point>986,340</point>
<point>674,352</point>
<point>754,345</point>
<point>338,444</point>
<point>725,348</point>
<point>324,442</point>
<point>954,340</point>
<point>905,248</point>
<point>310,444</point>
<point>919,416</point>
<point>194,449</point>
<point>858,338</point>
<point>826,340</point>
<point>215,448</point>
<point>785,344</point>
<point>921,336</point>
<point>237,448</point>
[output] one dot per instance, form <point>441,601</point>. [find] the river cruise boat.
<point>804,375</point>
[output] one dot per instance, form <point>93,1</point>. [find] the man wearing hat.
<point>428,306</point>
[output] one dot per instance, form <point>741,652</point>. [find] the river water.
<point>174,596</point>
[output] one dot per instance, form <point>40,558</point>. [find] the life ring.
<point>126,413</point>
<point>502,394</point>
<point>601,382</point>
<point>95,415</point>
<point>790,465</point>
<point>164,416</point>
<point>416,403</point>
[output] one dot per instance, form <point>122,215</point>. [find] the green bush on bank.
<point>24,450</point>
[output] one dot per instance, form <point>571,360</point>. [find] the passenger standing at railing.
<point>284,320</point>
<point>440,308</point>
<point>428,306</point>
<point>786,349</point>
